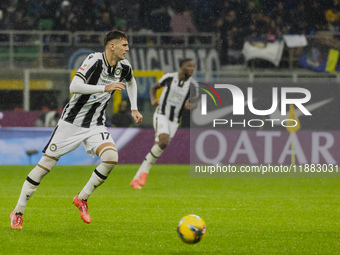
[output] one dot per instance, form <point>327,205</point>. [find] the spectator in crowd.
<point>105,23</point>
<point>63,16</point>
<point>281,28</point>
<point>229,35</point>
<point>50,8</point>
<point>239,6</point>
<point>121,15</point>
<point>36,9</point>
<point>133,17</point>
<point>268,6</point>
<point>73,25</point>
<point>142,14</point>
<point>21,22</point>
<point>250,12</point>
<point>316,18</point>
<point>333,18</point>
<point>204,15</point>
<point>159,18</point>
<point>300,23</point>
<point>181,22</point>
<point>280,10</point>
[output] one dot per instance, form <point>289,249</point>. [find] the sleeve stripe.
<point>81,76</point>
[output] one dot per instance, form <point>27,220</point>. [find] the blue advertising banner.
<point>23,145</point>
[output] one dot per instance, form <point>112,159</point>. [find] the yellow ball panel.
<point>191,229</point>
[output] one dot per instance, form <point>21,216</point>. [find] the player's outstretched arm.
<point>79,86</point>
<point>153,99</point>
<point>132,93</point>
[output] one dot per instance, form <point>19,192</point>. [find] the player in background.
<point>82,122</point>
<point>178,87</point>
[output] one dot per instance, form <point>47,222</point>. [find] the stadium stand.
<point>258,19</point>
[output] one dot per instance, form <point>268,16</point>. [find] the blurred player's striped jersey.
<point>174,95</point>
<point>87,110</point>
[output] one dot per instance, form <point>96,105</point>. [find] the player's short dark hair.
<point>114,34</point>
<point>183,61</point>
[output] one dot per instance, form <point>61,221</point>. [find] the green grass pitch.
<point>243,216</point>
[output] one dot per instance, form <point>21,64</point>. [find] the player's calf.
<point>29,187</point>
<point>109,157</point>
<point>33,180</point>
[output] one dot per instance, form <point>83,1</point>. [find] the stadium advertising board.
<point>263,147</point>
<point>165,59</point>
<point>22,146</point>
<point>235,147</point>
<point>158,58</point>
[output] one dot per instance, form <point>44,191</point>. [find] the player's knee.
<point>163,142</point>
<point>109,156</point>
<point>47,162</point>
<point>44,166</point>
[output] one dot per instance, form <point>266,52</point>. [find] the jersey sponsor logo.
<point>107,79</point>
<point>83,67</point>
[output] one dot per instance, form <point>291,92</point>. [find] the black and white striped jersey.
<point>86,110</point>
<point>174,95</point>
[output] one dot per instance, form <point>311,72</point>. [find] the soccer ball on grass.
<point>191,229</point>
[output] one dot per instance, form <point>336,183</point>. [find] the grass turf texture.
<point>243,216</point>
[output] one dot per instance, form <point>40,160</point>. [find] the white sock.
<point>27,192</point>
<point>97,178</point>
<point>29,187</point>
<point>149,160</point>
<point>109,157</point>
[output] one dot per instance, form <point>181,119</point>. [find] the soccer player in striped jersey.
<point>177,88</point>
<point>82,122</point>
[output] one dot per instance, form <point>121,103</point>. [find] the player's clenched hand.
<point>114,86</point>
<point>187,105</point>
<point>155,102</point>
<point>137,116</point>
